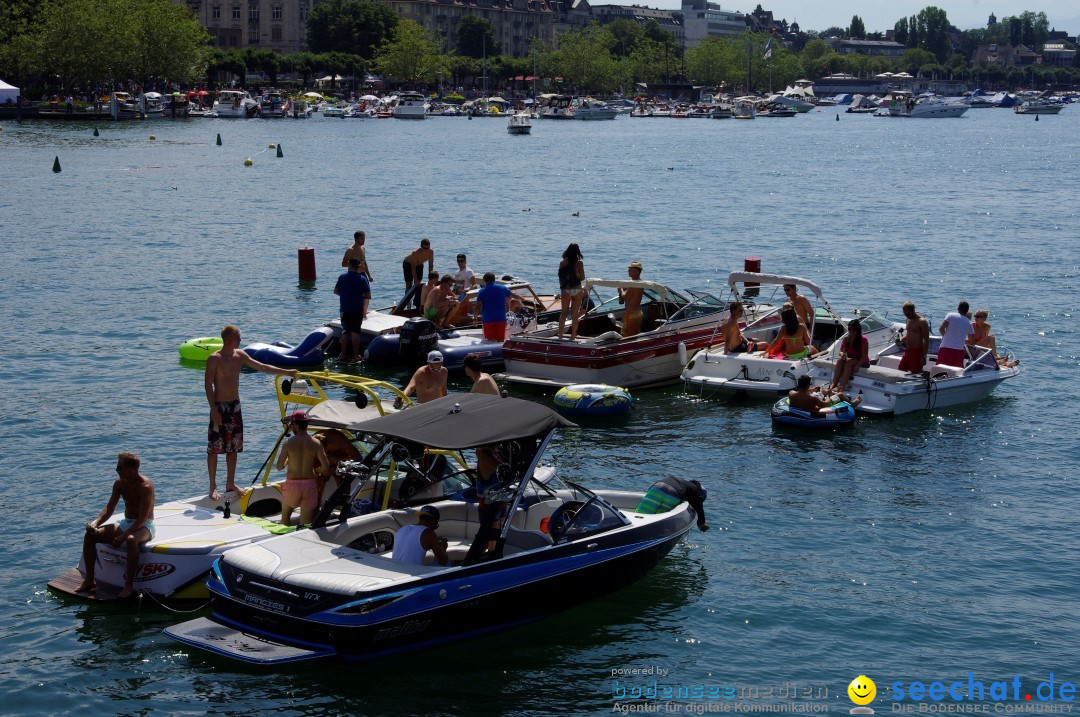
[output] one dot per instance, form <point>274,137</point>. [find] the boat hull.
<point>479,599</point>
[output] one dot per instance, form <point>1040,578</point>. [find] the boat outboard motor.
<point>417,338</point>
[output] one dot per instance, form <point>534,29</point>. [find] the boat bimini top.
<point>659,289</point>
<point>742,277</point>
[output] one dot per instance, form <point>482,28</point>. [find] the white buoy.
<point>682,353</point>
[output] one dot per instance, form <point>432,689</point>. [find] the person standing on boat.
<point>413,541</point>
<point>801,304</point>
<point>493,303</point>
<point>571,274</point>
<point>221,382</point>
<point>413,267</point>
<point>357,251</point>
<point>916,340</point>
<point>354,294</point>
<point>464,278</point>
<point>666,494</point>
<point>133,531</point>
<point>429,381</point>
<point>631,299</point>
<point>482,382</point>
<point>956,331</point>
<point>300,453</point>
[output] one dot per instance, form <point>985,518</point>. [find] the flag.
<point>768,50</point>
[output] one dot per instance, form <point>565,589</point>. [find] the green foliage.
<point>856,29</point>
<point>339,64</point>
<point>476,38</point>
<point>356,27</point>
<point>815,49</point>
<point>585,61</point>
<point>627,34</point>
<point>220,61</point>
<point>411,57</point>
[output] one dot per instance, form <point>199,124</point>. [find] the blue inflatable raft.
<point>835,416</point>
<point>596,399</point>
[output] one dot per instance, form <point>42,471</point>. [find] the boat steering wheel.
<point>565,514</point>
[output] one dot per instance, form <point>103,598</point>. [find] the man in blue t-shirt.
<point>494,301</point>
<point>354,293</point>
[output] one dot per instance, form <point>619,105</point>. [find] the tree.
<point>712,62</point>
<point>900,31</point>
<point>912,60</point>
<point>168,42</point>
<point>304,64</point>
<point>816,49</point>
<point>220,61</point>
<point>627,34</point>
<point>411,57</point>
<point>933,30</point>
<point>476,37</point>
<point>856,29</point>
<point>340,64</point>
<point>585,60</point>
<point>356,27</point>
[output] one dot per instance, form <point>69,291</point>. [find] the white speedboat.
<point>151,104</point>
<point>713,371</point>
<point>1038,107</point>
<point>672,327</point>
<point>194,532</point>
<point>926,107</point>
<point>519,123</point>
<point>745,108</point>
<point>554,106</point>
<point>342,588</point>
<point>300,109</point>
<point>333,111</point>
<point>886,389</point>
<point>590,109</point>
<point>235,103</point>
<point>410,105</point>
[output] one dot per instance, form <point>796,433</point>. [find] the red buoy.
<point>306,258</point>
<point>753,264</point>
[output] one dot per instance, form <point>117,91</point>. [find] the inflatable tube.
<point>838,415</point>
<point>309,354</point>
<point>200,349</point>
<point>382,350</point>
<point>593,400</point>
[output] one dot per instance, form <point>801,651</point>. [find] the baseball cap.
<point>298,416</point>
<point>430,510</point>
<point>434,357</point>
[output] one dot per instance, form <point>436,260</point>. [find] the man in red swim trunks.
<point>916,341</point>
<point>300,453</point>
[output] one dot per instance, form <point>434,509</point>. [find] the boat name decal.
<point>269,604</point>
<point>409,628</point>
<point>153,571</point>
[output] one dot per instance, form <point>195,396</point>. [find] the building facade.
<point>670,20</point>
<point>702,19</point>
<point>1058,54</point>
<point>519,24</point>
<point>872,48</point>
<point>279,25</point>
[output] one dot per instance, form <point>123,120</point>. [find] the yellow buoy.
<point>248,162</point>
<point>272,145</point>
<point>152,138</point>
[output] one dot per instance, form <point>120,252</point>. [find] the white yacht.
<point>519,123</point>
<point>410,105</point>
<point>235,103</point>
<point>556,106</point>
<point>925,107</point>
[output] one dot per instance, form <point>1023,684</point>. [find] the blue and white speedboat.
<point>336,590</point>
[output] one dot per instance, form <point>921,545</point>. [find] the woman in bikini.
<point>792,341</point>
<point>571,274</point>
<point>981,336</point>
<point>854,354</point>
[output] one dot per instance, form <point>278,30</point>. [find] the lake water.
<point>919,548</point>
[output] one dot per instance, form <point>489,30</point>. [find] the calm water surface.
<point>915,548</point>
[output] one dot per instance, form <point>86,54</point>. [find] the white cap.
<point>434,357</point>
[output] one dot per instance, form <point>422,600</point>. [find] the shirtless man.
<point>802,398</point>
<point>222,384</point>
<point>916,341</point>
<point>136,528</point>
<point>734,341</point>
<point>357,251</point>
<point>631,299</point>
<point>431,285</point>
<point>300,453</point>
<point>440,302</point>
<point>429,381</point>
<point>801,304</point>
<point>413,266</point>
<point>482,382</point>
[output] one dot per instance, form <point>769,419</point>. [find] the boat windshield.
<point>702,304</point>
<point>649,296</point>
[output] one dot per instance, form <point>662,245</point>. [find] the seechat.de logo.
<point>862,691</point>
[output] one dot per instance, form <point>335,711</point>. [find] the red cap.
<point>298,416</point>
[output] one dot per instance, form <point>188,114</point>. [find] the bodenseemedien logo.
<point>862,691</point>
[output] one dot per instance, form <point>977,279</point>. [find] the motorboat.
<point>924,107</point>
<point>721,111</point>
<point>554,106</point>
<point>410,105</point>
<point>673,326</point>
<point>519,123</point>
<point>360,111</point>
<point>755,374</point>
<point>885,389</point>
<point>334,111</point>
<point>1038,107</point>
<point>409,346</point>
<point>300,109</point>
<point>792,101</point>
<point>337,591</point>
<point>590,109</point>
<point>275,104</point>
<point>194,532</point>
<point>861,104</point>
<point>235,103</point>
<point>745,108</point>
<point>772,109</point>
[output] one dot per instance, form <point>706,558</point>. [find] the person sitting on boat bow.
<point>666,494</point>
<point>792,341</point>
<point>413,541</point>
<point>854,354</point>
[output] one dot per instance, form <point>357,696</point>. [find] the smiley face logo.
<point>862,690</point>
